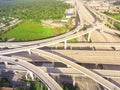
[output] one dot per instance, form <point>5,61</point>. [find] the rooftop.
<point>5,88</point>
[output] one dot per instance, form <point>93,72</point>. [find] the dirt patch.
<point>51,24</point>
<point>87,84</point>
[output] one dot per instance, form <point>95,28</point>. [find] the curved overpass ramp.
<point>17,44</point>
<point>47,80</point>
<point>80,69</point>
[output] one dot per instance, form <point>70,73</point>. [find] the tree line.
<point>33,9</point>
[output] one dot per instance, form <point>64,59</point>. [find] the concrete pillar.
<point>112,25</point>
<point>89,36</point>
<point>39,54</point>
<point>71,47</point>
<point>101,29</point>
<point>41,86</point>
<point>26,77</point>
<point>53,63</point>
<point>105,20</point>
<point>6,63</point>
<point>102,18</point>
<point>56,47</point>
<point>65,44</point>
<point>96,65</point>
<point>29,51</point>
<point>93,48</point>
<point>113,48</point>
<point>68,65</point>
<point>31,75</point>
<point>74,80</point>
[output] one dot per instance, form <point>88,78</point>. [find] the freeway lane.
<point>93,57</point>
<point>47,80</point>
<point>78,56</point>
<point>67,71</point>
<point>85,71</point>
<point>85,16</point>
<point>107,44</point>
<point>80,69</point>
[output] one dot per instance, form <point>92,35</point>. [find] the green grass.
<point>117,25</point>
<point>4,82</point>
<point>28,30</point>
<point>116,16</point>
<point>18,88</point>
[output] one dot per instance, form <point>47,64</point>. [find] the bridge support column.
<point>65,44</point>
<point>56,47</point>
<point>71,47</point>
<point>68,65</point>
<point>105,20</point>
<point>74,80</point>
<point>93,48</point>
<point>5,63</point>
<point>96,65</point>
<point>101,29</point>
<point>26,77</point>
<point>41,87</point>
<point>112,25</point>
<point>31,75</point>
<point>89,36</point>
<point>39,54</point>
<point>29,51</point>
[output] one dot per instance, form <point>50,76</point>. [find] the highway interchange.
<point>85,18</point>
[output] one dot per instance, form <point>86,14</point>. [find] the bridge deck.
<point>80,69</point>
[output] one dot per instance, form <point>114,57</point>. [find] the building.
<point>69,13</point>
<point>6,88</point>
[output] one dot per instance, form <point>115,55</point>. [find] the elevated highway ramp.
<point>95,57</point>
<point>45,78</point>
<point>67,71</point>
<point>80,69</point>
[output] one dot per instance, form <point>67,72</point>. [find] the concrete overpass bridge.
<point>45,78</point>
<point>66,71</point>
<point>27,48</point>
<point>85,17</point>
<point>91,45</point>
<point>91,57</point>
<point>95,58</point>
<point>107,20</point>
<point>31,47</point>
<point>77,67</point>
